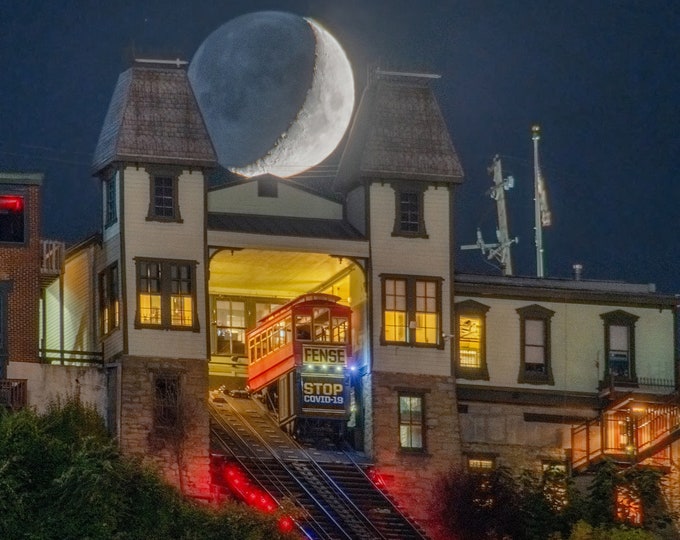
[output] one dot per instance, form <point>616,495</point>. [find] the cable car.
<point>299,357</point>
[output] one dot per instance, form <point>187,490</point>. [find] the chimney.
<point>578,270</point>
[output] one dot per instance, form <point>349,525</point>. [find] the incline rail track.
<point>287,471</point>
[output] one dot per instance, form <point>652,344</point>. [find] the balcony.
<point>13,395</point>
<point>641,433</point>
<point>52,260</point>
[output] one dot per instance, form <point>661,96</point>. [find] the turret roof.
<point>399,133</point>
<point>153,117</point>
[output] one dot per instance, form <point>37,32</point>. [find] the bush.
<point>61,476</point>
<point>495,505</point>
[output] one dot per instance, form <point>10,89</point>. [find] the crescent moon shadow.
<point>323,119</point>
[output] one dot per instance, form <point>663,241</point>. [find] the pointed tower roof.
<point>153,117</point>
<point>399,133</point>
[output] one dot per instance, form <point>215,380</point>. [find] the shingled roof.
<point>153,117</point>
<point>399,133</point>
<point>284,226</point>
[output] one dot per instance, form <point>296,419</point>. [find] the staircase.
<point>628,432</point>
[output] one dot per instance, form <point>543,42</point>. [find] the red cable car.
<point>299,356</point>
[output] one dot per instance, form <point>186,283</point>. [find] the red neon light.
<point>11,203</point>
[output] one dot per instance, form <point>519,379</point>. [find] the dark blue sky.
<point>601,78</point>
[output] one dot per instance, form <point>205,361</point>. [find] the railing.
<point>71,358</point>
<point>13,394</point>
<point>52,256</point>
<point>641,434</point>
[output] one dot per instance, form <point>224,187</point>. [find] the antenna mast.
<point>541,211</point>
<point>501,250</point>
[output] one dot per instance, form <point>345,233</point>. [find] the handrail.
<point>626,435</point>
<point>52,256</point>
<point>68,357</point>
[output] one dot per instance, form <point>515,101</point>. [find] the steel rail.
<point>263,468</point>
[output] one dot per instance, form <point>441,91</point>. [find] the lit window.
<point>480,464</point>
<point>181,298</point>
<point>150,292</point>
<point>12,221</point>
<point>166,410</point>
<point>109,300</point>
<point>471,340</point>
<point>230,327</point>
<point>339,331</point>
<point>619,330</point>
<point>628,506</point>
<point>412,311</point>
<point>411,436</point>
<point>166,295</point>
<point>535,366</point>
<point>409,213</point>
<point>427,314</point>
<point>395,310</point>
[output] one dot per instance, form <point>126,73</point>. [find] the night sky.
<point>601,78</point>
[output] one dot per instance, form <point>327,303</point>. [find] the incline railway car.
<point>298,359</point>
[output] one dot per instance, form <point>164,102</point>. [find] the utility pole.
<point>541,212</point>
<point>500,250</point>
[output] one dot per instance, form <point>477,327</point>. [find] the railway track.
<point>327,511</point>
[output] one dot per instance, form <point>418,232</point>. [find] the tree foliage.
<point>496,505</point>
<point>61,476</point>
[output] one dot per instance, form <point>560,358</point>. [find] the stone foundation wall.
<point>410,476</point>
<point>501,431</point>
<point>53,383</point>
<point>181,452</point>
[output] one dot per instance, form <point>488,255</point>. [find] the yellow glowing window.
<point>470,341</point>
<point>181,310</point>
<point>480,464</point>
<point>165,293</point>
<point>150,308</point>
<point>427,318</point>
<point>339,330</point>
<point>395,310</point>
<point>180,295</point>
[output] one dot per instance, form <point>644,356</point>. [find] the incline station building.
<point>446,370</point>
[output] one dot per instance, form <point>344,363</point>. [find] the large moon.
<point>276,92</point>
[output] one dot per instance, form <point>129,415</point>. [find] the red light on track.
<point>286,524</point>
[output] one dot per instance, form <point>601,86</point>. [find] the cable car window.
<point>303,327</point>
<point>322,324</point>
<point>339,330</point>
